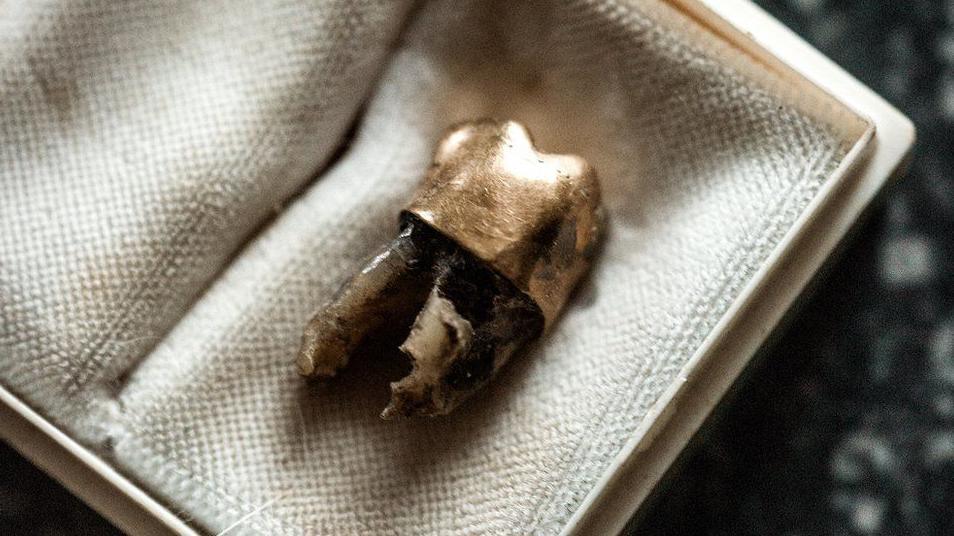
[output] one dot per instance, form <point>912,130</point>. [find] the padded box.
<point>181,191</point>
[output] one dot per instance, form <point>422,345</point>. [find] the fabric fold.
<point>140,144</point>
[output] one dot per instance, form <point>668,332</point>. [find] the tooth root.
<point>467,321</point>
<point>387,286</point>
<point>439,338</point>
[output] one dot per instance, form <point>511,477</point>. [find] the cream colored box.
<point>876,139</point>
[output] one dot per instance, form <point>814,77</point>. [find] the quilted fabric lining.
<point>142,145</point>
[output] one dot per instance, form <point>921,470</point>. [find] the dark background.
<point>846,424</point>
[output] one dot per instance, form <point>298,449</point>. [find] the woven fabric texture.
<point>703,172</point>
<point>140,144</point>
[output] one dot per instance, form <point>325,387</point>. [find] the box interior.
<point>165,341</point>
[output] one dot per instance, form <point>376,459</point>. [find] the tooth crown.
<point>532,216</point>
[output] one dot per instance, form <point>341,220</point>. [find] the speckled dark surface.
<point>844,426</point>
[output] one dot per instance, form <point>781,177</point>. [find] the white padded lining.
<point>704,169</point>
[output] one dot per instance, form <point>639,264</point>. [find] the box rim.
<point>80,470</point>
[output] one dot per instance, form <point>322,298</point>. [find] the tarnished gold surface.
<point>532,216</point>
<point>491,247</point>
